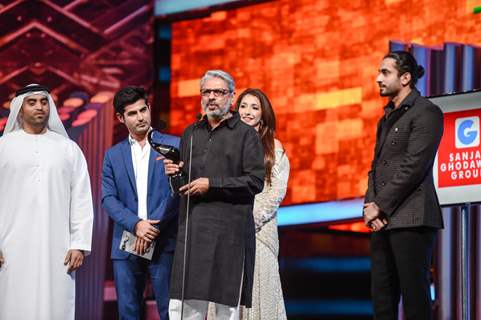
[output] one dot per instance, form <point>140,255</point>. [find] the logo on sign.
<point>467,132</point>
<point>459,153</point>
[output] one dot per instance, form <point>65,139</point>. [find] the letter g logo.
<point>467,132</point>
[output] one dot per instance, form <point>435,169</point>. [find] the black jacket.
<point>400,181</point>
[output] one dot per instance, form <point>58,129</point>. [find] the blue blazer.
<point>119,195</point>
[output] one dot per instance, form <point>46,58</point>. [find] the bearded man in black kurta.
<point>227,172</point>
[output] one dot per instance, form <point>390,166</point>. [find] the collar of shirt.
<point>132,141</point>
<point>407,103</point>
<point>230,122</point>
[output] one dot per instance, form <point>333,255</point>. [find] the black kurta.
<point>221,242</point>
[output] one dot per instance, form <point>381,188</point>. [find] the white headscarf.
<point>54,122</point>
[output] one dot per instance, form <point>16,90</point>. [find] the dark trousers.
<point>400,263</point>
<point>130,276</point>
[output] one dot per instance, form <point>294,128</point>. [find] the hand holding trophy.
<point>178,179</point>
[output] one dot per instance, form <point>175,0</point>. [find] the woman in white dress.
<point>256,110</point>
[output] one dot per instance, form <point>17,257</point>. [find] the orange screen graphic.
<point>317,61</point>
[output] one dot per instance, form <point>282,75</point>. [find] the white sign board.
<point>457,168</point>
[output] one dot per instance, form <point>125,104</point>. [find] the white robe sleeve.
<point>81,207</point>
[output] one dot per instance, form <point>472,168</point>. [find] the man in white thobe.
<point>46,211</point>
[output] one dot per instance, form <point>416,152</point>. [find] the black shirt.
<point>392,114</point>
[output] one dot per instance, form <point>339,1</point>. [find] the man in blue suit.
<point>136,195</point>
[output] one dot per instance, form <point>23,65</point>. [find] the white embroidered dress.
<point>267,298</point>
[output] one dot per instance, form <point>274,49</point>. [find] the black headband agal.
<point>36,87</point>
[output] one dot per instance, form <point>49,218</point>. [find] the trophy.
<point>178,179</point>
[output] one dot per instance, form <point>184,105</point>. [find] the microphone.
<point>198,118</point>
<point>162,125</point>
<point>187,212</point>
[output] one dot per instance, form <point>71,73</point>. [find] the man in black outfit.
<point>227,172</point>
<point>401,205</point>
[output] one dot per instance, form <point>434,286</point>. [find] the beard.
<point>219,112</point>
<point>387,92</point>
<point>36,121</point>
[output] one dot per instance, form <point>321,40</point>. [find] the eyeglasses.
<point>216,92</point>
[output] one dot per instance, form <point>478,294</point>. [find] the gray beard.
<point>217,114</point>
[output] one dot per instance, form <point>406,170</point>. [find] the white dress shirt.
<point>140,161</point>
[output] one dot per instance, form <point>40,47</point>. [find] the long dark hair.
<point>267,127</point>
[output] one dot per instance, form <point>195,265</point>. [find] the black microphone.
<point>198,118</point>
<point>187,211</point>
<point>162,125</point>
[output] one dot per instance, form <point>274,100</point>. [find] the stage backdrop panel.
<point>317,61</point>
